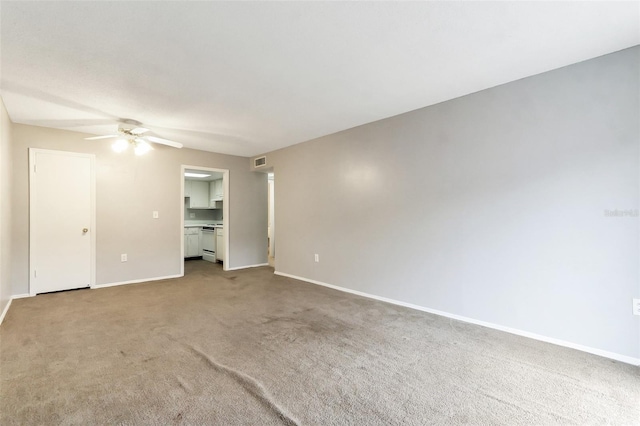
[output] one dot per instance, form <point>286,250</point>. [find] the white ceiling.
<point>245,77</point>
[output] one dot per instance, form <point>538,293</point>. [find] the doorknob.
<point>85,230</point>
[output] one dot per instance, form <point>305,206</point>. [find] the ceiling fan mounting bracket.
<point>131,122</point>
<point>132,132</point>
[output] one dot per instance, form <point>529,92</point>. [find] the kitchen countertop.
<point>200,225</point>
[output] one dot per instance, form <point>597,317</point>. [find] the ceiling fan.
<point>134,136</point>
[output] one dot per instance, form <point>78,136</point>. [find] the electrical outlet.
<point>123,257</point>
<point>192,215</point>
<point>155,214</point>
<point>316,257</point>
<point>636,306</point>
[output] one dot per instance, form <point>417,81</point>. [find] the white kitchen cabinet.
<point>212,191</point>
<point>215,193</point>
<point>204,195</point>
<point>199,195</point>
<point>192,242</point>
<point>191,246</point>
<point>220,244</point>
<point>219,189</point>
<point>212,194</point>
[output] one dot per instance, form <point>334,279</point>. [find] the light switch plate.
<point>636,306</point>
<point>155,214</point>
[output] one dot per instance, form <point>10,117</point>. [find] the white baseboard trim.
<point>21,296</point>
<point>143,280</point>
<point>5,310</point>
<point>247,266</point>
<point>612,355</point>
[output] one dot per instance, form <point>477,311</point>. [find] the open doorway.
<point>204,207</point>
<point>271,227</point>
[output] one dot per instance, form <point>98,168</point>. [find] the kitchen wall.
<point>5,207</point>
<point>495,207</point>
<point>201,214</point>
<point>128,189</point>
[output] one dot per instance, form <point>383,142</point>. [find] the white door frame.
<point>225,212</point>
<point>32,197</point>
<point>272,219</point>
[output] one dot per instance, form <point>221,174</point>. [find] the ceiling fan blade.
<point>163,141</point>
<point>139,130</point>
<point>93,138</point>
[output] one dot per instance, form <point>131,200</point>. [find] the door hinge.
<point>35,273</point>
<point>35,168</point>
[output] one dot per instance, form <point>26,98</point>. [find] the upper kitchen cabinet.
<point>219,189</point>
<point>199,194</point>
<point>216,192</point>
<point>203,190</point>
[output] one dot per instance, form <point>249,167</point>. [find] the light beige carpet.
<point>251,348</point>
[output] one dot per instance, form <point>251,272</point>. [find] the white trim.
<point>226,196</point>
<point>225,211</point>
<point>5,310</point>
<point>247,266</point>
<point>595,351</point>
<point>32,196</point>
<point>144,280</point>
<point>21,296</point>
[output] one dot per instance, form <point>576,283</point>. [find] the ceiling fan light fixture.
<point>141,143</point>
<point>120,145</point>
<point>142,147</point>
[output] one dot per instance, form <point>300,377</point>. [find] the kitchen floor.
<point>196,264</point>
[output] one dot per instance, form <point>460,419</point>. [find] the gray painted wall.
<point>128,189</point>
<point>490,206</point>
<point>5,206</point>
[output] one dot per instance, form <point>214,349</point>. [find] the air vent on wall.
<point>260,161</point>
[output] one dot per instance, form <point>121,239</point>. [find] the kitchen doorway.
<point>204,205</point>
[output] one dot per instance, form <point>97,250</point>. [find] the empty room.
<point>319,213</point>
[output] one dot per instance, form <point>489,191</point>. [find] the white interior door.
<point>62,243</point>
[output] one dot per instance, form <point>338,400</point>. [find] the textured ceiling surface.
<point>245,78</point>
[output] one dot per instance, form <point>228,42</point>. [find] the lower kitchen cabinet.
<point>220,244</point>
<point>192,242</point>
